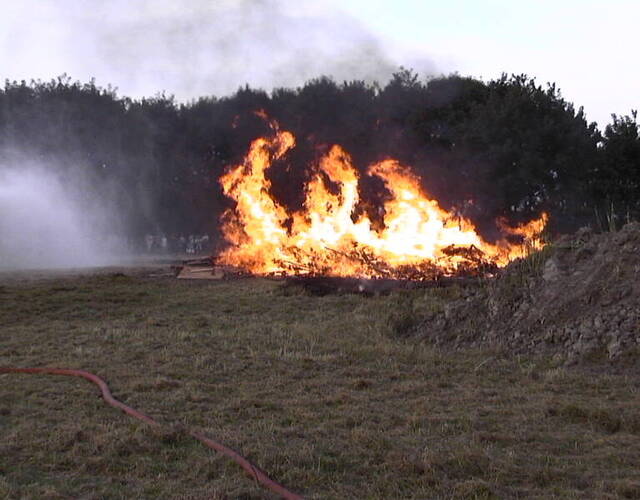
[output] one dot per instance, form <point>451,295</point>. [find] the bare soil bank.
<point>578,299</point>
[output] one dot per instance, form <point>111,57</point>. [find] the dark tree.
<point>616,180</point>
<point>508,147</point>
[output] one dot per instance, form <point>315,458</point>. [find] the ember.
<point>419,240</point>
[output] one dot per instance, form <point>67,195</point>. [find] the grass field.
<point>326,394</point>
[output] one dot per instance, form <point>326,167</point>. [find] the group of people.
<point>191,244</point>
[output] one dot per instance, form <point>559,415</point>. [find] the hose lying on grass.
<point>251,469</point>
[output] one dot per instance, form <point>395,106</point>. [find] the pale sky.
<point>590,48</point>
<point>202,47</point>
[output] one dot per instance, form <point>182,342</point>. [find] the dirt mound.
<point>579,298</point>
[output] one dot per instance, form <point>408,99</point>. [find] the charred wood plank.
<point>325,285</point>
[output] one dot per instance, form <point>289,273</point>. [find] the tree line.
<point>509,147</point>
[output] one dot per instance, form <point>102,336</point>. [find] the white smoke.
<point>45,222</point>
<point>196,48</point>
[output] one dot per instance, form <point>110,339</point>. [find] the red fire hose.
<point>254,472</point>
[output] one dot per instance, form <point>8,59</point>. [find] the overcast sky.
<point>203,47</point>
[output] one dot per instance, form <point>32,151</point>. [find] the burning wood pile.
<point>332,236</point>
<point>322,282</point>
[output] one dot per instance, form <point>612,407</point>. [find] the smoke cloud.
<point>195,48</point>
<point>47,222</point>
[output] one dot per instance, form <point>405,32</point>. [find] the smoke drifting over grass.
<point>46,222</point>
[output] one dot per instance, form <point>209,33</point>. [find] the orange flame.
<point>418,240</point>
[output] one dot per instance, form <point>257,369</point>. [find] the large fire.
<point>418,240</point>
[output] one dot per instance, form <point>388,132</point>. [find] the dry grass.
<point>329,395</point>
